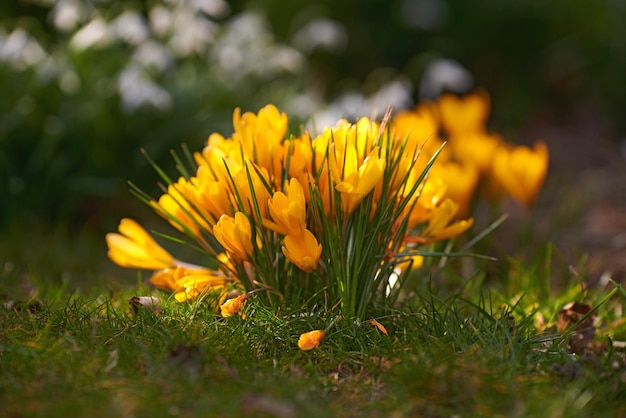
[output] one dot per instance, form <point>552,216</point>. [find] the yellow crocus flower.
<point>464,114</point>
<point>475,149</point>
<point>429,195</point>
<point>133,247</point>
<point>221,155</point>
<point>260,134</point>
<point>419,128</point>
<point>175,206</point>
<point>303,250</point>
<point>199,282</point>
<point>235,235</point>
<point>252,188</point>
<point>298,154</point>
<point>439,227</point>
<point>167,278</point>
<point>361,137</point>
<point>354,180</point>
<point>288,210</point>
<point>521,170</point>
<point>209,196</point>
<point>460,183</point>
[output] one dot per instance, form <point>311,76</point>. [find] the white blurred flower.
<point>137,91</point>
<point>69,82</point>
<point>95,33</point>
<point>151,54</point>
<point>283,58</point>
<point>213,8</point>
<point>324,34</point>
<point>444,74</point>
<point>160,20</point>
<point>351,105</point>
<point>67,14</point>
<point>347,106</point>
<point>131,27</point>
<point>395,94</point>
<point>191,33</point>
<point>303,105</point>
<point>21,50</point>
<point>246,46</point>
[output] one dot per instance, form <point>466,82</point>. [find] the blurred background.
<point>86,84</point>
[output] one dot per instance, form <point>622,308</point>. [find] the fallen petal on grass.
<point>378,325</point>
<point>310,340</point>
<point>233,306</point>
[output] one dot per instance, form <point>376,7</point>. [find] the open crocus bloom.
<point>439,227</point>
<point>354,181</point>
<point>133,247</point>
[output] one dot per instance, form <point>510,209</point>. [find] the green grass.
<point>458,353</point>
<point>466,345</point>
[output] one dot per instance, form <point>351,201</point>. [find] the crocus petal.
<point>288,210</point>
<point>232,306</point>
<point>235,235</point>
<point>439,227</point>
<point>165,279</point>
<point>521,170</point>
<point>303,250</point>
<point>310,340</point>
<point>135,248</point>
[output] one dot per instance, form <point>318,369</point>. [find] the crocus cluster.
<point>331,216</point>
<point>473,155</point>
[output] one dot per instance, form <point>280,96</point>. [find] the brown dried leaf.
<point>151,304</point>
<point>31,306</point>
<point>582,336</point>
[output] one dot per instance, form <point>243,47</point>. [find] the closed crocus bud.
<point>521,170</point>
<point>235,235</point>
<point>288,210</point>
<point>310,340</point>
<point>303,250</point>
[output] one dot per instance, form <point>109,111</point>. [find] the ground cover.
<point>463,352</point>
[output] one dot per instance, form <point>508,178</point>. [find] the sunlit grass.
<point>449,352</point>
